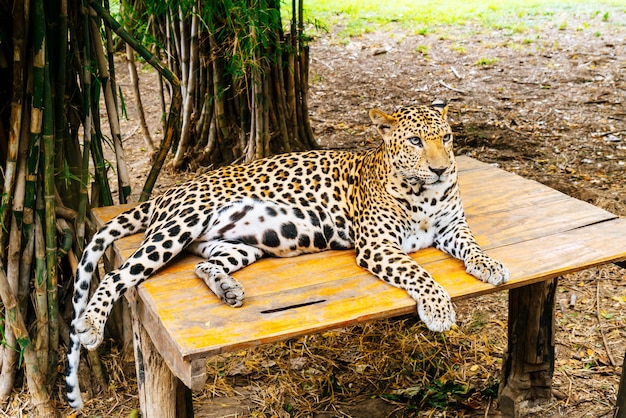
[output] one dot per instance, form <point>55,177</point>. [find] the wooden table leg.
<point>528,364</point>
<point>620,404</point>
<point>161,394</point>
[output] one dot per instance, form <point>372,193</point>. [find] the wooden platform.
<point>537,232</point>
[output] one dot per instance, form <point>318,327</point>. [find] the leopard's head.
<point>418,140</point>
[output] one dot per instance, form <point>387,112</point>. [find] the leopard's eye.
<point>415,140</point>
<point>447,138</point>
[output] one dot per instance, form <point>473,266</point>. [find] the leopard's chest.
<point>427,215</point>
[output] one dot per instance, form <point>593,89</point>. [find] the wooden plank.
<point>104,214</point>
<point>526,223</point>
<point>493,190</point>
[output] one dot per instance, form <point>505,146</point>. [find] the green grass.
<point>423,50</point>
<point>361,16</point>
<point>485,62</point>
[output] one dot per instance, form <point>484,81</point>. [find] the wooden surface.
<point>537,232</point>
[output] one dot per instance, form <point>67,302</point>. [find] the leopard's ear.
<point>384,122</point>
<point>441,106</point>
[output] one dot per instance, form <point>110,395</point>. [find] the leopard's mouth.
<point>415,180</point>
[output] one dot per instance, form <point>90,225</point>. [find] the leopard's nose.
<point>437,170</point>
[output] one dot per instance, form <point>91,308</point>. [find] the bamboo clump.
<point>54,134</point>
<point>243,79</point>
<point>228,69</point>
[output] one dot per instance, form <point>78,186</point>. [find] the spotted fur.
<point>385,203</point>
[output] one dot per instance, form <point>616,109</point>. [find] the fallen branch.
<point>452,88</point>
<point>619,131</point>
<point>510,128</point>
<point>456,73</point>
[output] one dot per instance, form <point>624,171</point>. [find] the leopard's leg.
<point>387,261</point>
<point>127,223</point>
<point>132,221</point>
<point>156,250</point>
<point>224,257</point>
<point>457,240</point>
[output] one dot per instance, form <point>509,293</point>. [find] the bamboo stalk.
<point>110,50</point>
<point>175,42</point>
<point>114,121</point>
<point>309,139</point>
<point>9,360</point>
<point>189,81</point>
<point>170,43</point>
<point>204,121</point>
<point>101,193</point>
<point>134,78</point>
<point>162,98</point>
<point>292,104</point>
<point>51,282</point>
<point>42,337</point>
<point>201,96</point>
<point>243,123</point>
<point>212,140</point>
<point>67,159</point>
<point>265,115</point>
<point>257,96</point>
<point>218,96</point>
<point>251,150</point>
<point>281,119</point>
<point>183,52</point>
<point>7,356</point>
<point>16,117</point>
<point>9,366</point>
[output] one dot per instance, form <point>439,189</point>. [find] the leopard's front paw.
<point>227,289</point>
<point>435,308</point>
<point>230,291</point>
<point>487,269</point>
<point>89,328</point>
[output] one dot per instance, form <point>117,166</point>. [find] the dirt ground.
<point>548,103</point>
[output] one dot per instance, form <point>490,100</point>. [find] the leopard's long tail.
<point>127,223</point>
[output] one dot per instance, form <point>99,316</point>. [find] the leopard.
<point>385,203</point>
